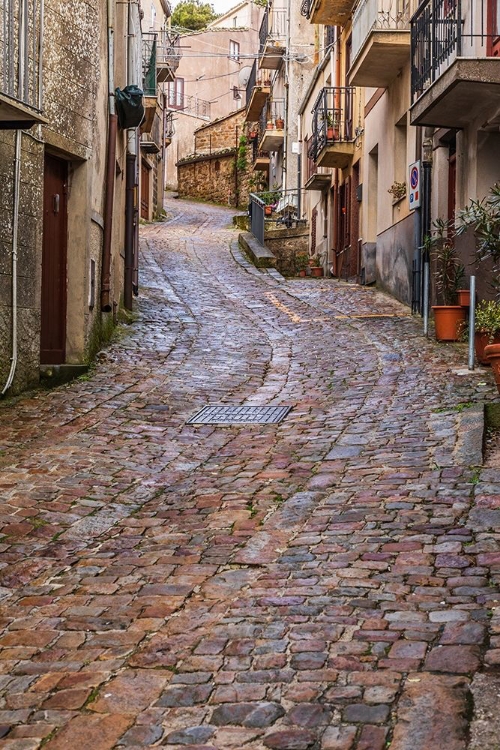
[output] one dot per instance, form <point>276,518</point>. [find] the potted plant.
<point>487,328</point>
<point>315,267</point>
<point>280,123</point>
<point>270,198</point>
<point>301,262</point>
<point>449,318</point>
<point>398,191</point>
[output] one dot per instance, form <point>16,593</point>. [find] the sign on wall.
<point>414,192</point>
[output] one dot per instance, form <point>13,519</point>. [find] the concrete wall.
<point>394,259</point>
<point>75,104</point>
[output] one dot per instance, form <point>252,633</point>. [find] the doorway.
<point>54,261</point>
<point>144,191</point>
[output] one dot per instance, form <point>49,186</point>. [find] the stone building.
<point>211,77</point>
<point>63,164</point>
<point>218,169</point>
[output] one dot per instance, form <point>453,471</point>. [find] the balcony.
<point>455,75</point>
<point>256,95</point>
<point>332,143</point>
<point>272,36</point>
<point>151,139</point>
<point>315,180</point>
<point>273,134</point>
<point>21,35</point>
<point>168,55</point>
<point>328,12</point>
<point>380,42</point>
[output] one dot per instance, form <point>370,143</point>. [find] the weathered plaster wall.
<point>394,259</point>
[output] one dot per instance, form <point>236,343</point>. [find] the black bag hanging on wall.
<point>129,107</point>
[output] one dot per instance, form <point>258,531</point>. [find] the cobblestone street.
<point>329,582</point>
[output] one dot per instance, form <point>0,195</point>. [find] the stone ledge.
<point>260,255</point>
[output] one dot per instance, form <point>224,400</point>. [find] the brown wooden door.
<point>54,256</point>
<point>144,191</point>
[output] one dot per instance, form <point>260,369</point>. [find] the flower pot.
<point>492,351</point>
<point>269,125</point>
<point>330,133</point>
<point>302,272</point>
<point>268,210</point>
<point>463,297</point>
<point>481,341</point>
<point>316,270</point>
<point>252,135</point>
<point>280,123</point>
<point>449,321</point>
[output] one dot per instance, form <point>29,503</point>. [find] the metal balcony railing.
<point>273,26</point>
<point>375,15</point>
<point>305,8</point>
<point>168,48</point>
<point>275,110</point>
<point>443,30</point>
<point>149,49</point>
<point>252,80</point>
<point>21,38</point>
<point>332,119</point>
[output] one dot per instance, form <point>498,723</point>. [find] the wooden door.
<point>493,28</point>
<point>144,192</point>
<point>54,257</point>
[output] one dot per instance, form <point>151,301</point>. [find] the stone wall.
<point>291,248</point>
<point>209,173</point>
<point>210,178</point>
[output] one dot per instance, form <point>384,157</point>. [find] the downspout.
<point>336,238</point>
<point>287,96</point>
<point>15,232</point>
<point>130,170</point>
<point>110,168</point>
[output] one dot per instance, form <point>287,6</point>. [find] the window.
<point>175,92</point>
<point>234,50</point>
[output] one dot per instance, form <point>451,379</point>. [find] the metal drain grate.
<point>240,415</point>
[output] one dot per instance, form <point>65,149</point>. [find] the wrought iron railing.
<point>169,125</point>
<point>442,30</point>
<point>273,26</point>
<point>192,105</point>
<point>252,80</point>
<point>149,45</point>
<point>275,110</point>
<point>305,8</point>
<point>374,15</point>
<point>21,35</point>
<point>168,48</point>
<point>332,118</point>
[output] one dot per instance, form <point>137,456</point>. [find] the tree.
<point>193,15</point>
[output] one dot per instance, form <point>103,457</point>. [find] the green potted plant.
<point>449,317</point>
<point>315,267</point>
<point>487,328</point>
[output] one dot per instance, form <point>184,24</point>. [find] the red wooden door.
<point>54,257</point>
<point>144,192</point>
<point>494,28</point>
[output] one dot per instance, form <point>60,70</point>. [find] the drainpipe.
<point>336,270</point>
<point>426,216</point>
<point>15,231</point>
<point>287,96</point>
<point>130,169</point>
<point>110,169</point>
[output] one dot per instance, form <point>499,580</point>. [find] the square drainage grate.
<point>240,415</point>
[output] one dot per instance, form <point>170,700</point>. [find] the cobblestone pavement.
<point>328,582</point>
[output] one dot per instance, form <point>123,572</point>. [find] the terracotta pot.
<point>269,125</point>
<point>330,133</point>
<point>252,135</point>
<point>302,272</point>
<point>316,270</point>
<point>268,210</point>
<point>492,351</point>
<point>449,321</point>
<point>280,123</point>
<point>481,341</point>
<point>463,297</point>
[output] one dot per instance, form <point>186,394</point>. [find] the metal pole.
<point>472,320</point>
<point>426,299</point>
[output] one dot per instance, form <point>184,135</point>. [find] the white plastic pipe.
<point>15,232</point>
<point>472,320</point>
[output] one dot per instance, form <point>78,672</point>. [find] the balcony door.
<point>494,28</point>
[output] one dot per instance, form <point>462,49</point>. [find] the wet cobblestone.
<point>328,583</point>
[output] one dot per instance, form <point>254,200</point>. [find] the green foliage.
<point>449,271</point>
<point>262,3</point>
<point>241,161</point>
<point>488,318</point>
<point>483,217</point>
<point>193,15</point>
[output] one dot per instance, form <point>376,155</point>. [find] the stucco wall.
<point>394,259</point>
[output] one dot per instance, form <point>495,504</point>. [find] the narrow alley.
<point>320,583</point>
